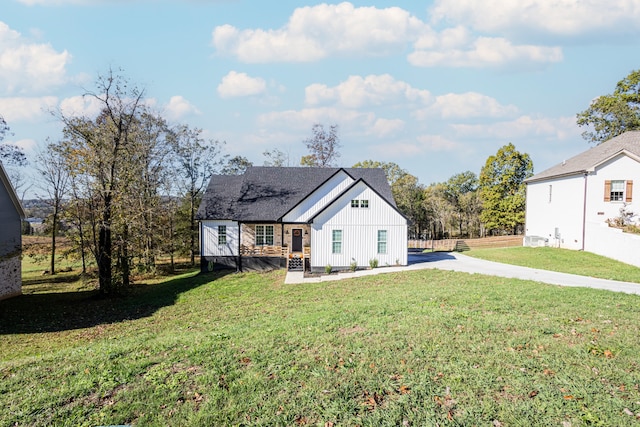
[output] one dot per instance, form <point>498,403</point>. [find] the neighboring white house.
<point>568,205</point>
<point>11,214</point>
<point>301,218</point>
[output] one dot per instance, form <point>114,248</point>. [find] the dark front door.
<point>296,240</point>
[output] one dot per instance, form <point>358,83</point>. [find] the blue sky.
<point>434,86</point>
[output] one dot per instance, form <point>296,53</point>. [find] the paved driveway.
<point>455,261</point>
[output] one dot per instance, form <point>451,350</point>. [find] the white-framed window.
<point>222,234</point>
<point>355,203</point>
<point>264,235</point>
<point>382,241</point>
<point>618,190</point>
<point>336,242</point>
<point>364,203</point>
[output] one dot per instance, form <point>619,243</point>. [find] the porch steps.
<point>295,264</point>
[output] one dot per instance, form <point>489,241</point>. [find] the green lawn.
<point>562,260</point>
<point>420,348</point>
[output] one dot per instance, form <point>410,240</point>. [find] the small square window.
<point>355,203</point>
<point>364,203</point>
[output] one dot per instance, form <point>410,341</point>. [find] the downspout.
<point>239,257</point>
<point>584,210</point>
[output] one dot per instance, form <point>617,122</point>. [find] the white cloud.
<point>465,105</point>
<point>522,127</point>
<point>80,106</point>
<point>303,119</point>
<point>383,128</point>
<point>28,145</point>
<point>178,107</point>
<point>371,90</point>
<point>481,52</point>
<point>19,109</point>
<point>555,17</point>
<point>437,143</point>
<point>315,32</point>
<point>236,84</point>
<point>26,66</point>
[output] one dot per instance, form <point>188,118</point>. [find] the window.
<point>336,241</point>
<point>618,191</point>
<point>364,203</point>
<point>382,241</point>
<point>264,235</point>
<point>355,203</point>
<point>222,234</point>
<point>359,203</point>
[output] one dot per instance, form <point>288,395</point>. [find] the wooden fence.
<point>448,245</point>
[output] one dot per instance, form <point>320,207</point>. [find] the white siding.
<point>563,212</point>
<point>621,168</point>
<point>319,198</point>
<point>359,232</point>
<point>209,238</point>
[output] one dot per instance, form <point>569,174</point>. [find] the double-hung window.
<point>618,191</point>
<point>382,241</point>
<point>336,241</point>
<point>222,234</point>
<point>264,235</point>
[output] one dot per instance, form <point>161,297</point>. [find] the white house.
<point>11,214</point>
<point>568,205</point>
<point>301,218</point>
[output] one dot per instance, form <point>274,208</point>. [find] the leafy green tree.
<point>275,158</point>
<point>502,189</point>
<point>196,160</point>
<point>98,152</point>
<point>611,115</point>
<point>392,170</point>
<point>438,209</point>
<point>236,166</point>
<point>457,191</point>
<point>323,147</point>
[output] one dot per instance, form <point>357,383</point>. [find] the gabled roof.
<point>266,194</point>
<point>628,144</point>
<point>345,191</point>
<point>4,178</point>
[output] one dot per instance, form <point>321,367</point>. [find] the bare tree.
<point>52,167</point>
<point>323,147</point>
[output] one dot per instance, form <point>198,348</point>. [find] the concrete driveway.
<point>455,261</point>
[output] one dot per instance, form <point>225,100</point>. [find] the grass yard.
<point>421,348</point>
<point>561,260</point>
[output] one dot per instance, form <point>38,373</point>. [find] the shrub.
<point>373,263</point>
<point>328,268</point>
<point>354,265</point>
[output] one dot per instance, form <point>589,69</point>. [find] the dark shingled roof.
<point>586,161</point>
<point>265,194</point>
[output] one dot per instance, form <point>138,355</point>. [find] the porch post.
<point>239,258</point>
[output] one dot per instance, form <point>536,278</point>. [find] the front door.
<point>296,240</point>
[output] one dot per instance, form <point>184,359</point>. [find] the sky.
<point>434,86</point>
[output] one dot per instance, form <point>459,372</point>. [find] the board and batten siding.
<point>209,238</point>
<point>360,228</point>
<point>319,198</point>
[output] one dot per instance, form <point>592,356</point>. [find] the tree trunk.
<point>193,230</point>
<point>53,243</point>
<point>105,251</point>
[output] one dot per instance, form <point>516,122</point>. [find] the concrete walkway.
<point>455,261</point>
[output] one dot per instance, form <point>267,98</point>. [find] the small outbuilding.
<point>11,215</point>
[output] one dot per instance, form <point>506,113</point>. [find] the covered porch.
<point>291,242</point>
